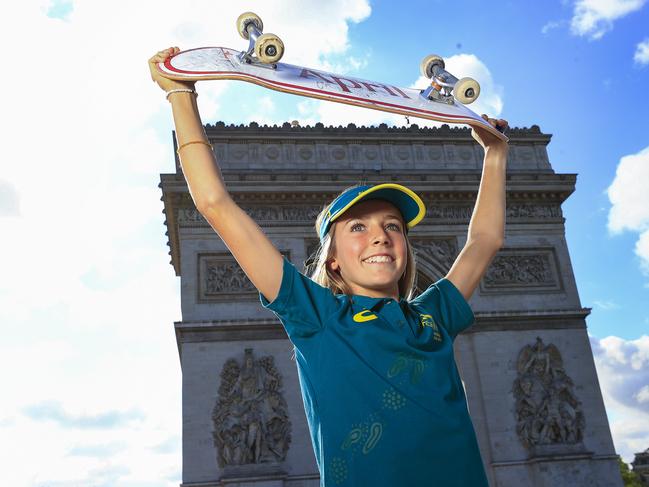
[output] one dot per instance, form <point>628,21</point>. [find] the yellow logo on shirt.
<point>362,316</point>
<point>427,320</point>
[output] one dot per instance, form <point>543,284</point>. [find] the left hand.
<point>485,138</point>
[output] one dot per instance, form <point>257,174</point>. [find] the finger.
<point>502,126</point>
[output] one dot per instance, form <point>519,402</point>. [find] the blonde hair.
<point>326,277</point>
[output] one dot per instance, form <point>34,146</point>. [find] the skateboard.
<point>443,101</point>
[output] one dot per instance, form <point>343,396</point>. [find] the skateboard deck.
<point>222,63</point>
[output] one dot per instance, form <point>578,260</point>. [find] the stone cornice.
<point>351,131</point>
<point>548,188</point>
<point>271,328</point>
<point>482,316</point>
<point>262,185</point>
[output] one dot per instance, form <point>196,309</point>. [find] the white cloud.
<point>9,199</point>
<point>593,18</point>
<point>606,305</point>
<point>630,202</point>
<point>551,25</point>
<point>87,295</point>
<point>643,395</point>
<point>641,55</point>
<point>623,372</point>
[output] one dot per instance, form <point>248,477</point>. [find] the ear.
<point>333,264</point>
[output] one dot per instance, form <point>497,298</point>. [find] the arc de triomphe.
<point>526,363</point>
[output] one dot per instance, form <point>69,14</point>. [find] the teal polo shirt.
<point>381,390</point>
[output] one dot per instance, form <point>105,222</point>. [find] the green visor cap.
<point>409,204</point>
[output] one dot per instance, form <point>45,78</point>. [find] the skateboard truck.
<point>266,48</point>
<point>465,90</point>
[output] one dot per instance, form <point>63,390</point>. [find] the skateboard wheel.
<point>269,48</point>
<point>244,19</point>
<point>466,90</point>
<point>428,62</point>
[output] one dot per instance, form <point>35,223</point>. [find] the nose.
<point>381,236</point>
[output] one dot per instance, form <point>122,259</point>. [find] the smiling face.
<point>370,249</point>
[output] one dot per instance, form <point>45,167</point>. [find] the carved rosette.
<point>250,418</point>
<point>547,411</point>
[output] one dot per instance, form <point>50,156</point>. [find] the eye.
<point>355,226</point>
<point>394,226</point>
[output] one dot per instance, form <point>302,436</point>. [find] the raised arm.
<point>486,233</point>
<point>254,252</point>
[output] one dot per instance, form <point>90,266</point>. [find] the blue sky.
<point>88,299</point>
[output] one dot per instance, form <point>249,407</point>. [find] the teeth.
<point>379,258</point>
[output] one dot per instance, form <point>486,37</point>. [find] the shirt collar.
<point>372,303</point>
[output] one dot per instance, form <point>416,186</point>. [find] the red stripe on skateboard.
<point>314,90</point>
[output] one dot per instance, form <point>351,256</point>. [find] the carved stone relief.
<point>547,411</point>
<point>271,214</point>
<point>522,270</point>
<point>286,215</point>
<point>250,418</point>
<point>188,217</point>
<point>445,212</point>
<point>220,278</point>
<point>531,210</point>
<point>435,253</point>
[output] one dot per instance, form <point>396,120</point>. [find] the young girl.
<point>382,395</point>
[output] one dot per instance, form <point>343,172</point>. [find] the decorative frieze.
<point>547,410</point>
<point>534,210</point>
<point>250,418</point>
<point>305,214</point>
<point>190,217</point>
<point>291,215</point>
<point>522,270</point>
<point>382,147</point>
<point>436,212</point>
<point>266,215</point>
<point>336,155</point>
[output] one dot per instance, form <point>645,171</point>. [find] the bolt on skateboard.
<point>443,101</point>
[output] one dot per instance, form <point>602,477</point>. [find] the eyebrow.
<point>389,217</point>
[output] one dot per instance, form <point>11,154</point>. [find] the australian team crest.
<point>427,320</point>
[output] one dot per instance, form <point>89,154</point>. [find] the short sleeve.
<point>447,305</point>
<point>302,305</point>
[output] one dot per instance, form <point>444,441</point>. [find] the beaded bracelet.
<point>181,90</point>
<point>193,142</point>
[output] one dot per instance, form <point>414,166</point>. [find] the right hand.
<point>165,83</point>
